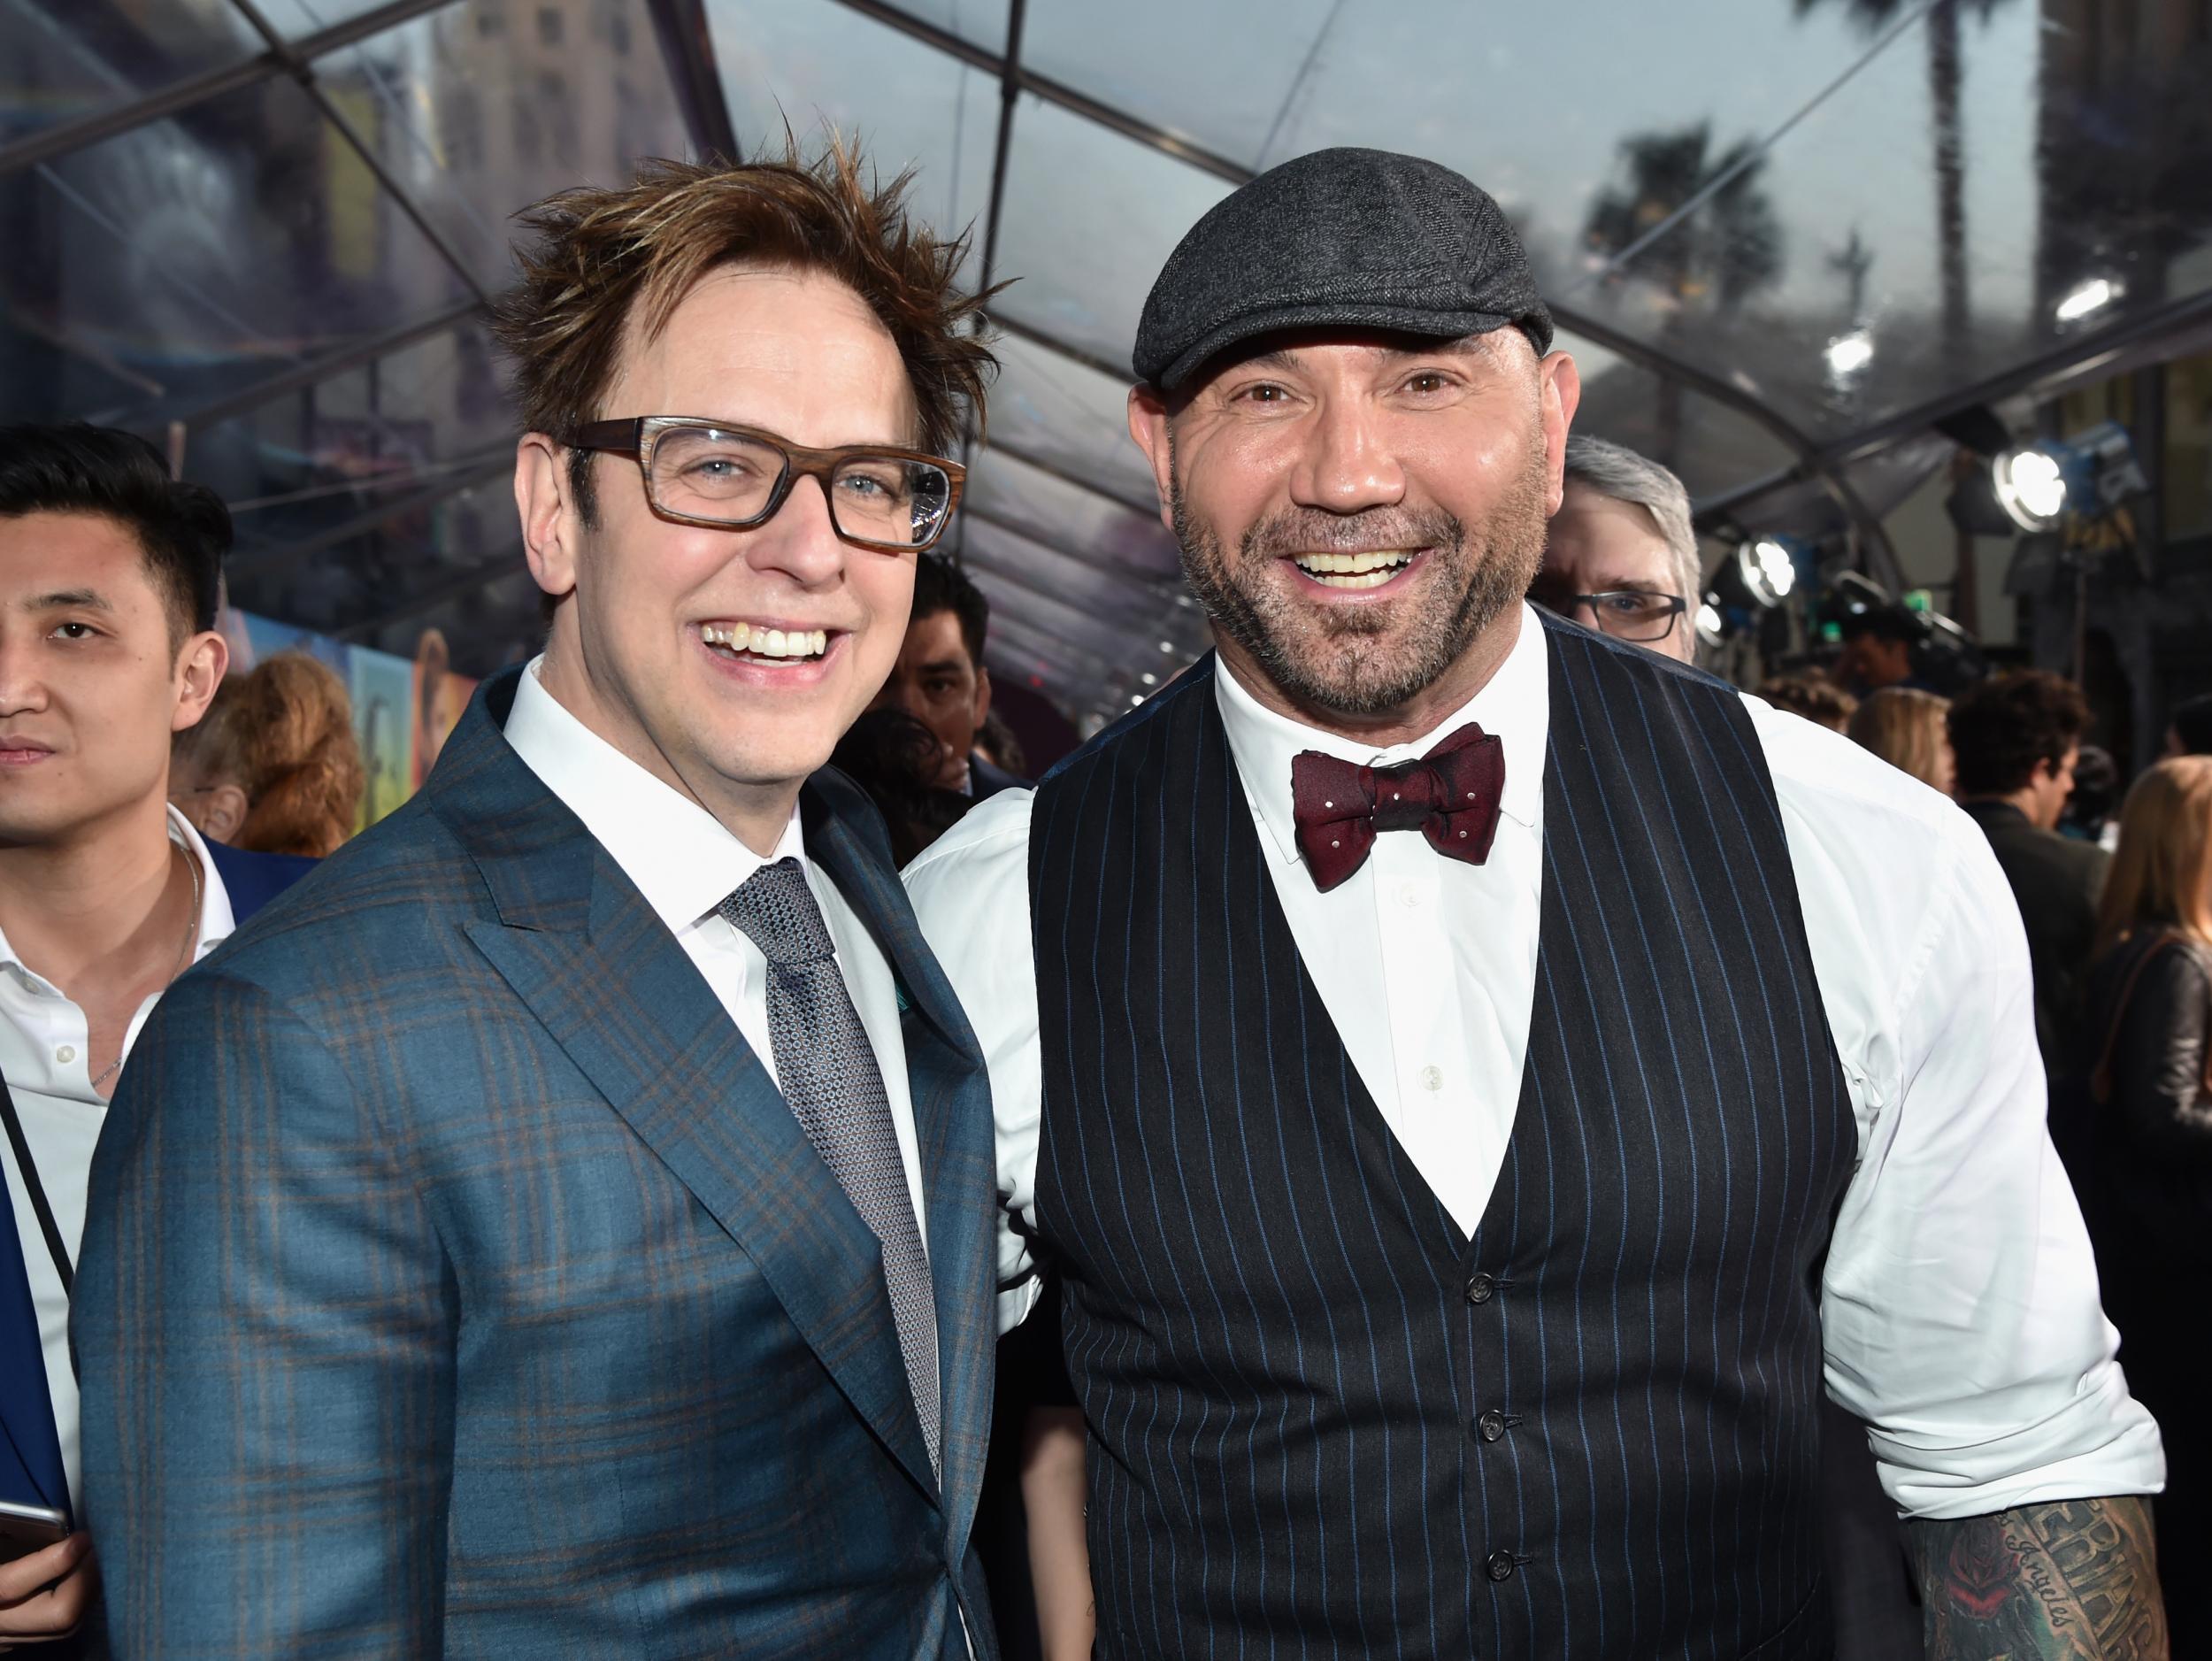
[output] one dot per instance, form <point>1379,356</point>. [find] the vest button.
<point>1481,1289</point>
<point>1499,1566</point>
<point>1491,1425</point>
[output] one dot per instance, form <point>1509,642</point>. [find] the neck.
<point>1418,715</point>
<point>2023,800</point>
<point>93,900</point>
<point>755,814</point>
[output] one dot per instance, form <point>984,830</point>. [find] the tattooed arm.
<point>2063,1580</point>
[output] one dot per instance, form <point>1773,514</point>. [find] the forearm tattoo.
<point>2064,1580</point>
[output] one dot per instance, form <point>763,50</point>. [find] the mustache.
<point>1305,530</point>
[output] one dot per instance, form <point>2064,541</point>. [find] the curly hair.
<point>284,735</point>
<point>2006,727</point>
<point>609,265</point>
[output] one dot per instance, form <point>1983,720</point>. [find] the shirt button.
<point>1491,1425</point>
<point>1409,895</point>
<point>1431,1078</point>
<point>66,1054</point>
<point>1480,1290</point>
<point>1499,1566</point>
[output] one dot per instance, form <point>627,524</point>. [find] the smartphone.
<point>27,1528</point>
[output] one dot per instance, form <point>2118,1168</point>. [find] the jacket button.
<point>1481,1289</point>
<point>1499,1566</point>
<point>1491,1426</point>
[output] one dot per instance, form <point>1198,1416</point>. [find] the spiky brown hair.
<point>606,261</point>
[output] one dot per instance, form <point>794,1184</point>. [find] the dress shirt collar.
<point>679,856</point>
<point>217,921</point>
<point>1515,707</point>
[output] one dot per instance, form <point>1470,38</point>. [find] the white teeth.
<point>1363,579</point>
<point>1318,564</point>
<point>767,642</point>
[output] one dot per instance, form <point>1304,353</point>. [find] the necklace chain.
<point>191,929</point>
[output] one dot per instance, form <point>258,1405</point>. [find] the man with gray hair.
<point>1620,556</point>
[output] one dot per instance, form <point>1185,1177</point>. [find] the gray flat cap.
<point>1339,238</point>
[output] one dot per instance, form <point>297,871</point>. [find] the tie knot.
<point>1406,793</point>
<point>775,909</point>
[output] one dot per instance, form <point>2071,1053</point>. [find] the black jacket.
<point>2151,1127</point>
<point>2057,881</point>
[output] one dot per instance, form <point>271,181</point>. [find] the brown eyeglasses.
<point>703,472</point>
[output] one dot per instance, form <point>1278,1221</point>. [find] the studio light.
<point>2031,488</point>
<point>1768,572</point>
<point>1753,582</point>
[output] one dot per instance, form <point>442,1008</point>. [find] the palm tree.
<point>1727,246</point>
<point>1872,17</point>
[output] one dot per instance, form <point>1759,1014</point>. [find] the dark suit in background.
<point>459,1283</point>
<point>2058,881</point>
<point>986,777</point>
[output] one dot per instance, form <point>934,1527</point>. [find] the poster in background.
<point>402,708</point>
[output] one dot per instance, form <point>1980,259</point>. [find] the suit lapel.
<point>952,1126</point>
<point>582,950</point>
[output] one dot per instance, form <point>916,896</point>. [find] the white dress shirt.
<point>686,864</point>
<point>47,1062</point>
<point>1960,1304</point>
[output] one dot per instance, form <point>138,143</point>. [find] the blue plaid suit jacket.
<point>456,1281</point>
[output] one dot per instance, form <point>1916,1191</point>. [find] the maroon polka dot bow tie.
<point>1450,795</point>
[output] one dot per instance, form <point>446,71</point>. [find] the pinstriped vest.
<point>1324,1423</point>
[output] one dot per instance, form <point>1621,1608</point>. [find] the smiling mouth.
<point>743,642</point>
<point>1369,570</point>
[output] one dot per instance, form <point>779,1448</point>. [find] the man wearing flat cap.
<point>1478,1081</point>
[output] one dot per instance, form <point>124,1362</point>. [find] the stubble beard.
<point>1366,660</point>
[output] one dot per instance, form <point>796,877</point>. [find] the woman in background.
<point>2149,1178</point>
<point>1905,728</point>
<point>273,767</point>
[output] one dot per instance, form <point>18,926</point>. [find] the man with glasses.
<point>1620,556</point>
<point>565,1227</point>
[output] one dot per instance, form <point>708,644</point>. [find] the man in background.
<point>1620,556</point>
<point>2017,737</point>
<point>1877,652</point>
<point>108,576</point>
<point>940,679</point>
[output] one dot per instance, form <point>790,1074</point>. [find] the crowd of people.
<point>1446,1131</point>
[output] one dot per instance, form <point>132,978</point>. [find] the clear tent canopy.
<point>1781,237</point>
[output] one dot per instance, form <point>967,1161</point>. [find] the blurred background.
<point>1916,297</point>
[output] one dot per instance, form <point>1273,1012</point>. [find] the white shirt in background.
<point>46,1060</point>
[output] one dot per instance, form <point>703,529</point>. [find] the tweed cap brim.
<point>1395,319</point>
<point>1338,239</point>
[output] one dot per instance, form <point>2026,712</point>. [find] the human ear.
<point>1560,393</point>
<point>200,667</point>
<point>222,812</point>
<point>1148,425</point>
<point>544,503</point>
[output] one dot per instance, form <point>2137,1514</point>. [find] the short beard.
<point>1367,661</point>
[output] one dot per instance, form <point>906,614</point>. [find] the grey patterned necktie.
<point>827,1069</point>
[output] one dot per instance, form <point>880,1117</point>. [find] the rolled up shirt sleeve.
<point>1960,1301</point>
<point>971,894</point>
